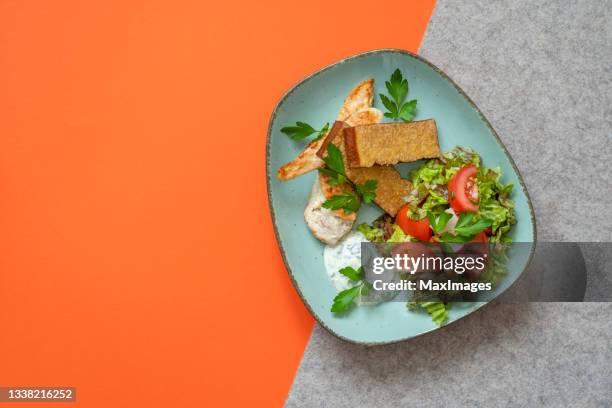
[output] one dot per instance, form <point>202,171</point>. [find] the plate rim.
<point>312,76</point>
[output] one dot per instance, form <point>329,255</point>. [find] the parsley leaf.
<point>448,237</point>
<point>465,229</point>
<point>302,130</point>
<point>322,132</point>
<point>391,107</point>
<point>397,86</point>
<point>334,166</point>
<point>464,220</point>
<point>406,112</point>
<point>335,170</point>
<point>348,201</point>
<point>352,273</point>
<point>344,299</point>
<point>367,190</point>
<point>438,224</point>
<point>474,229</point>
<point>335,178</point>
<point>333,160</point>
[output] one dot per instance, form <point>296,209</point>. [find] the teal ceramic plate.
<point>316,100</point>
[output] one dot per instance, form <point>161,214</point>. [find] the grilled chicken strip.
<point>359,99</point>
<point>326,225</point>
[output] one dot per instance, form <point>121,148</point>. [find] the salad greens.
<point>398,235</point>
<point>437,310</point>
<point>372,234</point>
<point>430,195</point>
<point>429,199</point>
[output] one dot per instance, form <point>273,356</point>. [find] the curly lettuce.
<point>371,233</point>
<point>436,309</point>
<point>495,204</point>
<point>398,235</point>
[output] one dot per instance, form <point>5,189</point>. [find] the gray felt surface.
<point>541,72</point>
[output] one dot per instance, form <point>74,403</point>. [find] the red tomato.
<point>417,229</point>
<point>463,191</point>
<point>481,237</point>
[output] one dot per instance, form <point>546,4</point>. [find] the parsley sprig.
<point>301,131</point>
<point>367,190</point>
<point>348,200</point>
<point>352,273</point>
<point>438,223</point>
<point>345,299</point>
<point>465,229</point>
<point>334,166</point>
<point>397,87</point>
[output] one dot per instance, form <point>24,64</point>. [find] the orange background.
<point>132,139</point>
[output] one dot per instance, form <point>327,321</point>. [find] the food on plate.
<point>429,216</point>
<point>360,98</point>
<point>391,143</point>
<point>363,117</point>
<point>326,225</point>
<point>306,161</point>
<point>419,229</point>
<point>435,190</point>
<point>463,191</point>
<point>449,199</point>
<point>391,188</point>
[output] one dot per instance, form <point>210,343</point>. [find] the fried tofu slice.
<point>359,99</point>
<point>391,189</point>
<point>391,143</point>
<point>364,117</point>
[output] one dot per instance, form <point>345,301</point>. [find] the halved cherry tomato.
<point>418,229</point>
<point>481,237</point>
<point>463,191</point>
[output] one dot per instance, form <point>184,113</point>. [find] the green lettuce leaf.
<point>398,235</point>
<point>436,309</point>
<point>430,173</point>
<point>433,200</point>
<point>372,234</point>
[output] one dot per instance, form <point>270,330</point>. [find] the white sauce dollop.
<point>347,252</point>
